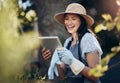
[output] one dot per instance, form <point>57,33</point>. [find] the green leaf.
<point>115,49</point>
<point>104,68</point>
<point>116,19</point>
<point>109,26</point>
<point>99,27</point>
<point>107,17</point>
<point>118,26</point>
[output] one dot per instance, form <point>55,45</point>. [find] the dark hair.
<point>82,28</point>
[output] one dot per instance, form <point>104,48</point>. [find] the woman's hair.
<point>82,28</point>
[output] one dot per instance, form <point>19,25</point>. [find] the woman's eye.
<point>66,18</point>
<point>73,19</point>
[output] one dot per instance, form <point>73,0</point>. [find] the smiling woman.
<point>82,44</point>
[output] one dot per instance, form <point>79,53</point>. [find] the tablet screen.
<point>50,42</point>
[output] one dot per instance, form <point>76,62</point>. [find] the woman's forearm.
<point>85,72</point>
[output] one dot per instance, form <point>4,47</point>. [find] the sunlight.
<point>118,2</point>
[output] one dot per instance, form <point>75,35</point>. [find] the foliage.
<point>28,18</point>
<point>15,48</point>
<point>107,24</point>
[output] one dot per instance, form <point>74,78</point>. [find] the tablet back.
<point>50,42</point>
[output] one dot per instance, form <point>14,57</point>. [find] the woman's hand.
<point>46,54</point>
<point>61,70</point>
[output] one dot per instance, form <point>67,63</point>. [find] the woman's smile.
<point>70,27</point>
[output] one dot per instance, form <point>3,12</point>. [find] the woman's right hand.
<point>46,54</point>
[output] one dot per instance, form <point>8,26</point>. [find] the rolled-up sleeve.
<point>90,44</point>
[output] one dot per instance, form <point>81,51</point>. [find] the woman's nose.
<point>69,22</point>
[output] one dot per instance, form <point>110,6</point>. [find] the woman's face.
<point>72,22</point>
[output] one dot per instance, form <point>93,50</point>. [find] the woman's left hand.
<point>61,70</point>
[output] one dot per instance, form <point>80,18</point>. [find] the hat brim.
<point>60,18</point>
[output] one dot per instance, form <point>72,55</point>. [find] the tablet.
<point>50,42</point>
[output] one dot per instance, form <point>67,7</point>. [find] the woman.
<point>82,43</point>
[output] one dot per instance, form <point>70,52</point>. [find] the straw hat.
<point>74,8</point>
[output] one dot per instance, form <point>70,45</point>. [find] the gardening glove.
<point>53,67</point>
<point>67,57</point>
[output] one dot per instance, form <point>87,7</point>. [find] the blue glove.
<point>67,57</point>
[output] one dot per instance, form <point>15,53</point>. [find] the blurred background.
<point>23,21</point>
